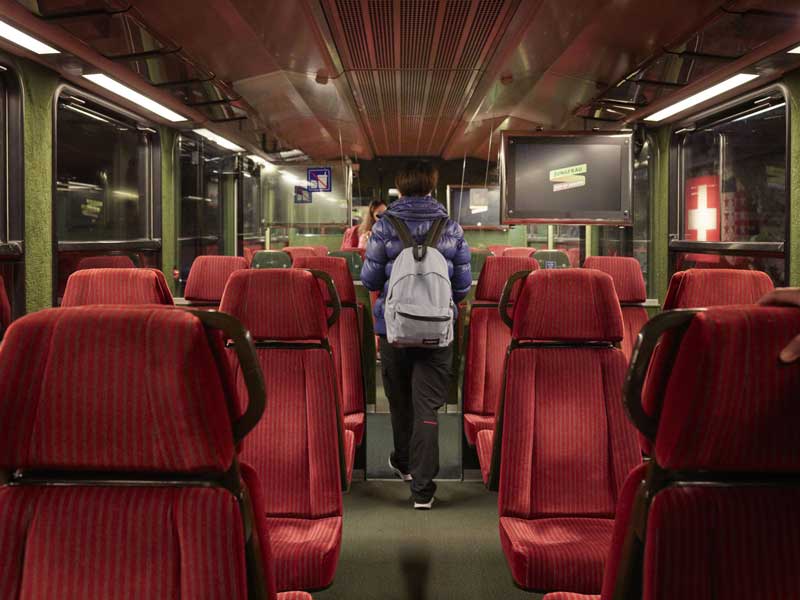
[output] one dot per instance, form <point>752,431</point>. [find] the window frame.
<point>718,114</point>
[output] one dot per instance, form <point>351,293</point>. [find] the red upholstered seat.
<point>519,252</point>
<point>498,249</point>
<point>629,283</point>
<point>719,500</point>
<point>487,342</point>
<point>345,338</point>
<point>116,286</point>
<point>563,445</point>
<point>105,401</point>
<point>208,276</point>
<point>299,448</point>
<point>5,308</point>
<point>484,444</point>
<point>716,287</point>
<point>350,238</point>
<point>113,261</point>
<point>297,251</point>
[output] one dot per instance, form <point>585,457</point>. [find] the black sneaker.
<point>422,505</point>
<point>398,471</point>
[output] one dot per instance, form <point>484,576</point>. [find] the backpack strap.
<point>431,239</point>
<point>402,230</point>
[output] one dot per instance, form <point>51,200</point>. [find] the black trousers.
<point>416,381</point>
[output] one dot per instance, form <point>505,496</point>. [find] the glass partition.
<point>11,197</point>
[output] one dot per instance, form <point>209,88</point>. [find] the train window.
<point>207,181</point>
<point>12,294</point>
<point>570,239</point>
<point>732,189</point>
<point>251,214</point>
<point>106,182</point>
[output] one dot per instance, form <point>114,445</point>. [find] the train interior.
<point>192,396</point>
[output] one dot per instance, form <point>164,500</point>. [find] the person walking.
<point>416,376</point>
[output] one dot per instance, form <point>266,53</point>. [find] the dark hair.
<point>417,178</point>
<point>370,218</point>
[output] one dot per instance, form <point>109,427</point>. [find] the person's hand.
<point>785,297</point>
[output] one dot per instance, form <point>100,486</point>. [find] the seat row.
<point>305,333</point>
<point>560,446</point>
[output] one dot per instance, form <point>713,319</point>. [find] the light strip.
<point>86,113</point>
<point>15,36</point>
<point>218,140</point>
<point>759,112</point>
<point>700,97</point>
<point>795,50</point>
<point>115,87</point>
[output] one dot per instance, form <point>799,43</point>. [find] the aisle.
<point>391,552</point>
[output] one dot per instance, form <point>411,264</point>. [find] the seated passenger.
<point>376,209</point>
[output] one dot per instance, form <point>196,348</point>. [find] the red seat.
<point>716,287</point>
<point>487,342</point>
<point>112,261</point>
<point>299,450</point>
<point>563,446</point>
<point>498,249</point>
<point>90,408</point>
<point>716,509</point>
<point>629,283</point>
<point>117,286</point>
<point>297,251</point>
<point>519,252</point>
<point>5,308</point>
<point>208,276</point>
<point>345,339</point>
<point>350,238</point>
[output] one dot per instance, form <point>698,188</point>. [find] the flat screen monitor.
<point>474,206</point>
<point>566,177</point>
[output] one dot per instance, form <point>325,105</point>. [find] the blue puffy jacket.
<point>384,246</point>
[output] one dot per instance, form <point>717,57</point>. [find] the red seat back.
<point>108,401</point>
<point>498,249</point>
<point>116,286</point>
<point>344,335</point>
<point>113,261</point>
<point>563,444</point>
<point>350,238</point>
<point>5,308</point>
<point>720,516</point>
<point>488,335</point>
<point>716,287</point>
<point>519,252</point>
<point>629,284</point>
<point>297,449</point>
<point>208,276</point>
<point>298,251</point>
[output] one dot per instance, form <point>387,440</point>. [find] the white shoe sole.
<point>400,475</point>
<point>423,505</point>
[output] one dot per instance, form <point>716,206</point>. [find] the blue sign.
<point>301,195</point>
<point>320,179</point>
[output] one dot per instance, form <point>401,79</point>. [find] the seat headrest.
<point>699,288</point>
<point>277,304</point>
<point>729,404</point>
<point>496,271</point>
<point>117,286</point>
<point>112,388</point>
<point>208,276</point>
<point>497,249</point>
<point>568,305</point>
<point>296,252</point>
<point>115,261</point>
<point>339,271</point>
<point>519,252</point>
<point>626,273</point>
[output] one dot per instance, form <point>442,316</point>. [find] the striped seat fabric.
<point>299,450</point>
<point>519,252</point>
<point>5,308</point>
<point>93,395</point>
<point>297,251</point>
<point>113,261</point>
<point>350,238</point>
<point>629,283</point>
<point>345,338</point>
<point>117,286</point>
<point>487,342</point>
<point>721,492</point>
<point>497,249</point>
<point>208,276</point>
<point>563,446</point>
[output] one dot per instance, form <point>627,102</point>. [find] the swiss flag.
<point>703,215</point>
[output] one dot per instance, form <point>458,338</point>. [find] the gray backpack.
<point>419,305</point>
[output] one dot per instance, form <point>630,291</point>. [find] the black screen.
<point>569,179</point>
<point>476,206</point>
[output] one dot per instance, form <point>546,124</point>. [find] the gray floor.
<point>392,552</point>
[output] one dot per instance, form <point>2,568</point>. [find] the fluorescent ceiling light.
<point>759,112</point>
<point>268,166</point>
<point>700,97</point>
<point>15,36</point>
<point>218,140</point>
<point>795,50</point>
<point>115,87</point>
